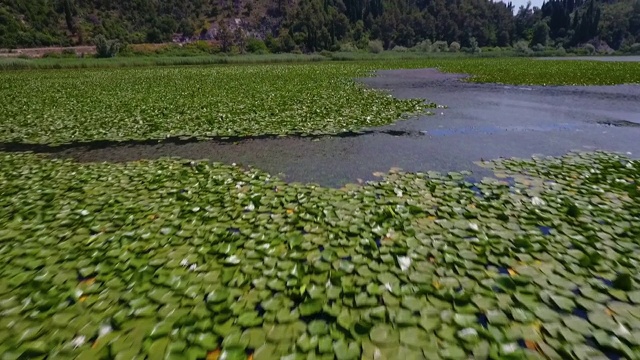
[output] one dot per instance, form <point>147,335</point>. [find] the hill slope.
<point>317,24</point>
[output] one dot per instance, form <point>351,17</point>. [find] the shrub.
<point>400,48</point>
<point>538,48</point>
<point>635,48</point>
<point>454,47</point>
<point>106,48</point>
<point>256,46</point>
<point>440,46</point>
<point>560,51</point>
<point>424,46</point>
<point>375,46</point>
<point>590,49</point>
<point>326,53</point>
<point>473,45</point>
<point>69,53</point>
<point>52,55</point>
<point>348,47</point>
<point>522,47</point>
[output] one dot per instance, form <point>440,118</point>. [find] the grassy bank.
<point>145,61</point>
<point>178,59</point>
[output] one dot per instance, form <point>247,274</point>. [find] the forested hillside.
<point>312,25</point>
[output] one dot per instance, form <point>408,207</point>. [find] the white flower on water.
<point>84,212</point>
<point>184,262</point>
<point>77,293</point>
<point>104,330</point>
<point>622,330</point>
<point>78,341</point>
<point>193,267</point>
<point>629,165</point>
<point>536,201</point>
<point>404,262</point>
<point>474,227</point>
<point>250,207</point>
<point>264,246</point>
<point>387,286</point>
<point>377,355</point>
<point>328,284</point>
<point>509,348</point>
<point>468,332</point>
<point>233,259</point>
<point>398,192</point>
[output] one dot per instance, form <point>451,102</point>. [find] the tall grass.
<point>80,63</point>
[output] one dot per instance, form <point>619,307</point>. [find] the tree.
<point>240,39</point>
<point>106,48</point>
<point>225,37</point>
<point>540,34</point>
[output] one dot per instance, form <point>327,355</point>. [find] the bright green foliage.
<point>174,257</point>
<point>64,106</point>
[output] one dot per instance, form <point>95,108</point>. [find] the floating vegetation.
<point>54,107</point>
<point>179,259</point>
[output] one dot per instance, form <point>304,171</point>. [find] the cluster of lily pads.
<point>55,107</point>
<point>175,259</point>
<point>523,71</point>
<point>63,106</point>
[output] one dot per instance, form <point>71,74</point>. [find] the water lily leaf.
<point>318,328</point>
<point>497,317</point>
<point>158,348</point>
<point>346,351</point>
<point>601,320</point>
<point>562,302</point>
<point>218,295</point>
<point>578,324</point>
<point>255,337</point>
<point>249,319</point>
<point>384,335</point>
<point>465,320</point>
<point>310,307</point>
<point>412,303</point>
<point>235,340</point>
<point>413,337</point>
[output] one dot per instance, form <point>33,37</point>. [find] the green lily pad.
<point>384,335</point>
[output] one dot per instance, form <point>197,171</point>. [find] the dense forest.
<point>313,25</point>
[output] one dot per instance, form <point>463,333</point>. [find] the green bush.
<point>348,47</point>
<point>538,48</point>
<point>424,46</point>
<point>454,47</point>
<point>375,46</point>
<point>256,46</point>
<point>635,48</point>
<point>69,53</point>
<point>52,55</point>
<point>590,49</point>
<point>473,46</point>
<point>440,46</point>
<point>106,48</point>
<point>522,48</point>
<point>400,49</point>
